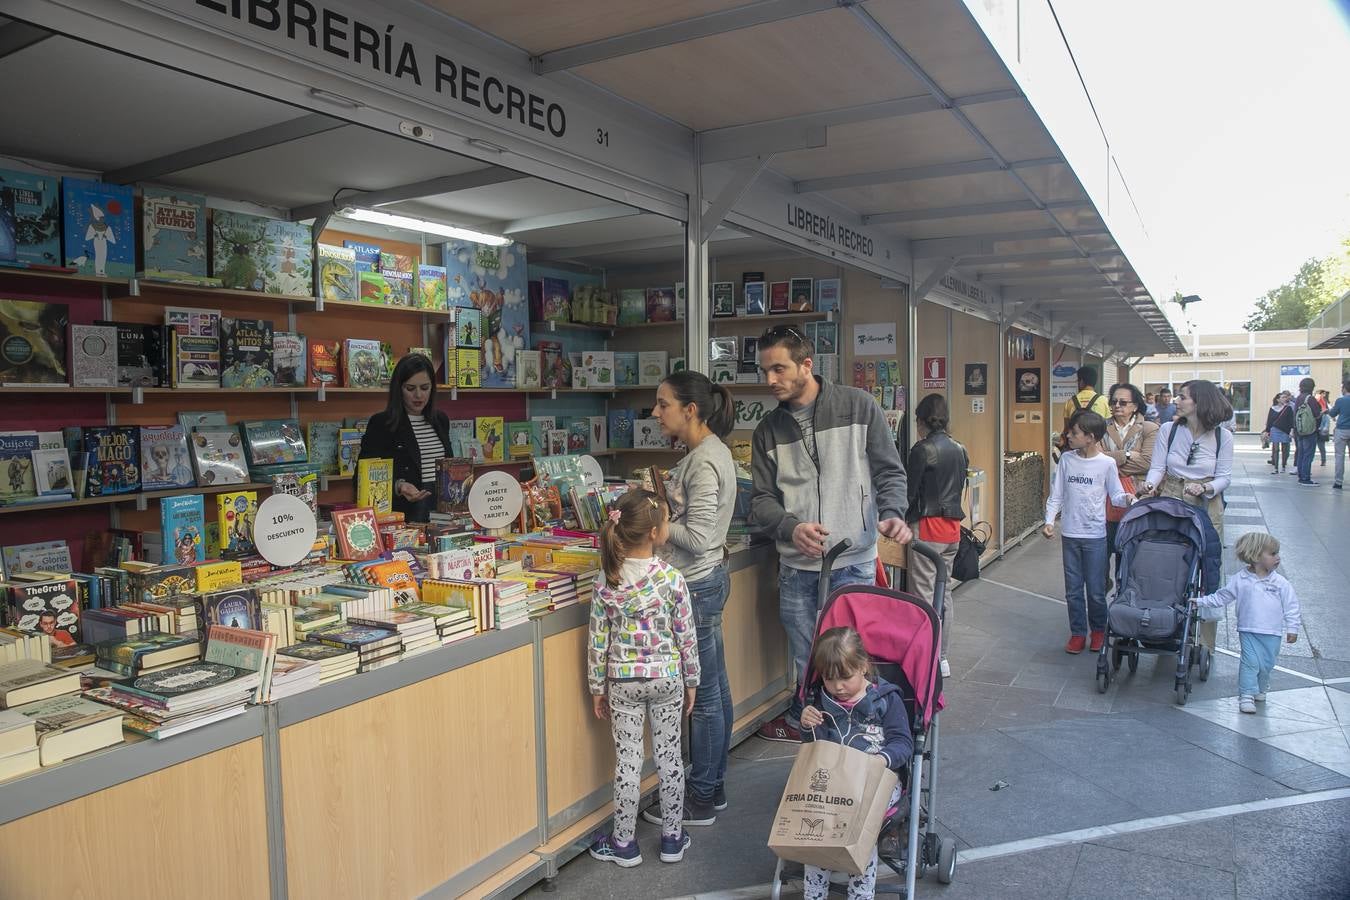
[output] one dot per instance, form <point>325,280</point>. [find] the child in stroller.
<point>867,715</point>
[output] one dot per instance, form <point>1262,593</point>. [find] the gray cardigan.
<point>702,493</point>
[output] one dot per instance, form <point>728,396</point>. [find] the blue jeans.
<point>1307,449</point>
<point>798,592</point>
<point>1258,661</point>
<point>1085,574</point>
<point>711,723</point>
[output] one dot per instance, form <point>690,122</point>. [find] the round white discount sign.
<point>284,529</point>
<point>495,500</point>
<point>591,473</point>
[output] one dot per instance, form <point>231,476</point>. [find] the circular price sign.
<point>284,529</point>
<point>591,473</point>
<point>495,500</point>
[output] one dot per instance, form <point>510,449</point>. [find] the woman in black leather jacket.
<point>413,433</point>
<point>937,478</point>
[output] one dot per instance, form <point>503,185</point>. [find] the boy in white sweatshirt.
<point>1085,479</point>
<point>1266,609</point>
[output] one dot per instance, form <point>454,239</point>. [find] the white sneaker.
<point>1246,703</point>
<point>1259,697</point>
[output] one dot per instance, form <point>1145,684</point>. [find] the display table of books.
<point>312,794</point>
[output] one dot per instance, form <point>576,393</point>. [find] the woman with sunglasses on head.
<point>1279,427</point>
<point>1193,460</point>
<point>1129,441</point>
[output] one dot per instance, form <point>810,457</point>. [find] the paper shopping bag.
<point>832,807</point>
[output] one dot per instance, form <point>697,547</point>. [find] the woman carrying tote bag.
<point>1129,441</point>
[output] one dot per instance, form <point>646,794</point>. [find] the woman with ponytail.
<point>701,491</point>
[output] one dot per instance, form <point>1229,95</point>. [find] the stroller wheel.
<point>946,860</point>
<point>1103,682</point>
<point>1133,662</point>
<point>1183,690</point>
<point>1206,659</point>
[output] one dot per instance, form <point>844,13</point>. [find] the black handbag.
<point>966,564</point>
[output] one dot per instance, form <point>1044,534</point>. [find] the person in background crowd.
<point>1167,410</point>
<point>1278,430</point>
<point>1305,430</point>
<point>1129,441</point>
<point>412,432</point>
<point>1323,424</point>
<point>1086,398</point>
<point>937,478</point>
<point>825,468</point>
<point>1340,413</point>
<point>1150,407</point>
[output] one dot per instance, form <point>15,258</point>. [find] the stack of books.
<point>453,623</point>
<point>63,723</point>
<point>333,662</point>
<point>145,653</point>
<point>378,647</point>
<point>310,618</point>
<point>18,745</point>
<point>418,634</point>
<point>291,676</point>
<point>509,606</point>
<point>181,698</point>
<point>29,680</point>
<point>538,603</point>
<point>16,645</point>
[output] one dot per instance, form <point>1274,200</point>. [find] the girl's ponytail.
<point>631,519</point>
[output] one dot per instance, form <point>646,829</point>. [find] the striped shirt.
<point>429,445</point>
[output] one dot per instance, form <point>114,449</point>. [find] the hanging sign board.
<point>495,500</point>
<point>1063,383</point>
<point>875,339</point>
<point>284,530</point>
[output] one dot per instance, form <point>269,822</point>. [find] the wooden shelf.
<point>59,389</point>
<point>132,498</point>
<point>570,326</point>
<point>644,450</point>
<point>402,310</point>
<point>776,317</point>
<point>62,276</point>
<point>137,285</point>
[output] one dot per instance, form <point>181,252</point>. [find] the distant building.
<point>1252,365</point>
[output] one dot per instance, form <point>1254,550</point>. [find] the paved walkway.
<point>1122,793</point>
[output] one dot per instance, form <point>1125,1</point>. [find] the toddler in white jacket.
<point>1266,609</point>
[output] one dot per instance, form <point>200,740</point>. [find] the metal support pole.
<point>698,308</point>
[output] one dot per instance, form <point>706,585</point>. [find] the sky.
<point>1228,121</point>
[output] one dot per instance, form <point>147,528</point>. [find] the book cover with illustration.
<point>349,448</point>
<point>801,295</point>
<point>373,288</point>
<point>780,298</point>
<point>323,446</point>
<point>246,353</point>
<point>454,477</point>
<point>493,280</point>
<point>116,462</point>
<point>653,366</point>
<point>556,300</point>
<point>661,304</point>
<point>528,369</point>
<point>621,428</point>
<point>140,354</point>
<point>400,287</point>
<point>173,235</point>
<point>33,342</point>
<point>518,445</point>
<point>431,287</point>
<point>325,363</point>
<point>362,363</point>
<point>33,202</point>
<point>165,463</point>
<point>467,363</point>
<point>218,456</point>
<point>375,485</point>
<point>271,442</point>
<point>540,426</point>
<point>337,273</point>
<point>17,482</point>
<point>469,329</point>
<point>50,607</point>
<point>234,608</point>
<point>182,528</point>
<point>253,253</point>
<point>491,433</point>
<point>723,299</point>
<point>754,298</point>
<point>579,435</point>
<point>51,474</point>
<point>196,360</point>
<point>632,306</point>
<point>461,431</point>
<point>98,227</point>
<point>288,359</point>
<point>235,511</point>
<point>193,320</point>
<point>357,532</point>
<point>367,256</point>
<point>93,355</point>
<point>828,292</point>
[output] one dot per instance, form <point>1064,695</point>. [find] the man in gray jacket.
<point>825,468</point>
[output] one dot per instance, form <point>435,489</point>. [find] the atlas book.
<point>116,460</point>
<point>253,253</point>
<point>288,359</point>
<point>338,273</point>
<point>362,363</point>
<point>93,356</point>
<point>661,304</point>
<point>173,236</point>
<point>272,442</point>
<point>236,511</point>
<point>34,202</point>
<point>195,360</point>
<point>165,463</point>
<point>367,256</point>
<point>431,287</point>
<point>98,227</point>
<point>182,526</point>
<point>218,456</point>
<point>325,363</point>
<point>246,353</point>
<point>33,338</point>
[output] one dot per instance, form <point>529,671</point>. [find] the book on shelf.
<point>253,253</point>
<point>579,435</point>
<point>165,462</point>
<point>29,680</point>
<point>237,607</point>
<point>366,256</point>
<point>288,359</point>
<point>801,295</point>
<point>723,299</point>
<point>70,725</point>
<point>93,355</point>
<point>140,354</point>
<point>18,484</point>
<point>461,432</point>
<point>647,435</point>
<point>218,456</point>
<point>754,294</point>
<point>193,686</point>
<point>193,321</point>
<point>363,363</point>
<point>218,575</point>
<point>632,306</point>
<point>323,446</point>
<point>620,428</point>
<point>41,556</point>
<point>490,431</point>
<point>375,484</point>
<point>431,287</point>
<point>236,511</point>
<point>399,287</point>
<point>52,474</point>
<point>661,304</point>
<point>337,273</point>
<point>529,368</point>
<point>173,236</point>
<point>182,528</point>
<point>349,449</point>
<point>191,420</point>
<point>325,363</point>
<point>557,300</point>
<point>357,533</point>
<point>194,361</point>
<point>454,478</point>
<point>302,483</point>
<point>518,445</point>
<point>780,297</point>
<point>33,200</point>
<point>828,294</point>
<point>271,442</point>
<point>151,583</point>
<point>246,359</point>
<point>98,227</point>
<point>33,336</point>
<point>652,367</point>
<point>599,436</point>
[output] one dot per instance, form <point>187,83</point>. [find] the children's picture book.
<point>495,282</point>
<point>528,373</point>
<point>724,372</point>
<point>235,511</point>
<point>454,477</point>
<point>325,363</point>
<point>749,354</point>
<point>661,304</point>
<point>579,435</point>
<point>93,355</point>
<point>372,287</point>
<point>540,426</point>
<point>17,482</point>
<point>467,363</point>
<point>557,300</point>
<point>337,273</point>
<point>722,349</point>
<point>681,301</point>
<point>780,298</point>
<point>349,449</point>
<point>246,353</point>
<point>52,475</point>
<point>34,203</point>
<point>98,227</point>
<point>647,435</point>
<point>375,484</point>
<point>367,255</point>
<point>42,556</point>
<point>271,442</point>
<point>323,446</point>
<point>554,370</point>
<point>632,306</point>
<point>115,467</point>
<point>625,369</point>
<point>620,428</point>
<point>491,433</point>
<point>800,295</point>
<point>652,367</point>
<point>193,321</point>
<point>557,442</point>
<point>182,528</point>
<point>194,419</point>
<point>599,433</point>
<point>196,360</point>
<point>400,285</point>
<point>755,304</point>
<point>253,253</point>
<point>723,299</point>
<point>173,236</point>
<point>218,456</point>
<point>828,291</point>
<point>165,463</point>
<point>33,342</point>
<point>288,359</point>
<point>358,536</point>
<point>431,287</point>
<point>140,354</point>
<point>518,444</point>
<point>469,328</point>
<point>362,363</point>
<point>826,337</point>
<point>461,430</point>
<point>397,262</point>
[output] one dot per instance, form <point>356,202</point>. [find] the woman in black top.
<point>413,433</point>
<point>1279,427</point>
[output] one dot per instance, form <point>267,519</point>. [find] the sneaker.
<point>1308,483</point>
<point>673,846</point>
<point>1076,644</point>
<point>606,849</point>
<point>1336,486</point>
<point>779,730</point>
<point>695,813</point>
<point>1247,704</point>
<point>720,798</point>
<point>1259,697</point>
<point>1098,638</point>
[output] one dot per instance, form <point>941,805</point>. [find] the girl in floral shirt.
<point>642,659</point>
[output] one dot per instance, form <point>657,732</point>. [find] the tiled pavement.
<point>1021,711</point>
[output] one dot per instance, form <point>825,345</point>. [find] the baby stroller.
<point>903,635</point>
<point>1168,555</point>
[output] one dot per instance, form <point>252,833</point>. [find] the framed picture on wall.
<point>977,379</point>
<point>1028,385</point>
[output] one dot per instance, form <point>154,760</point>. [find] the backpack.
<point>1064,438</point>
<point>1305,423</point>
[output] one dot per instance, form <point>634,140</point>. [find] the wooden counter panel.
<point>200,825</point>
<point>580,746</point>
<point>393,796</point>
<point>752,632</point>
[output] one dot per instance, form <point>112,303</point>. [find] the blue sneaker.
<point>606,849</point>
<point>673,846</point>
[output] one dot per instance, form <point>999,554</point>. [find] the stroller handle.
<point>826,564</point>
<point>940,573</point>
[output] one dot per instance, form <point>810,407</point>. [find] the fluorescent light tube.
<point>408,222</point>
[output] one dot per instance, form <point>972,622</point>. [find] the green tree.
<point>1318,284</point>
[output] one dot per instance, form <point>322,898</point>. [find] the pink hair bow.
<point>615,515</point>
